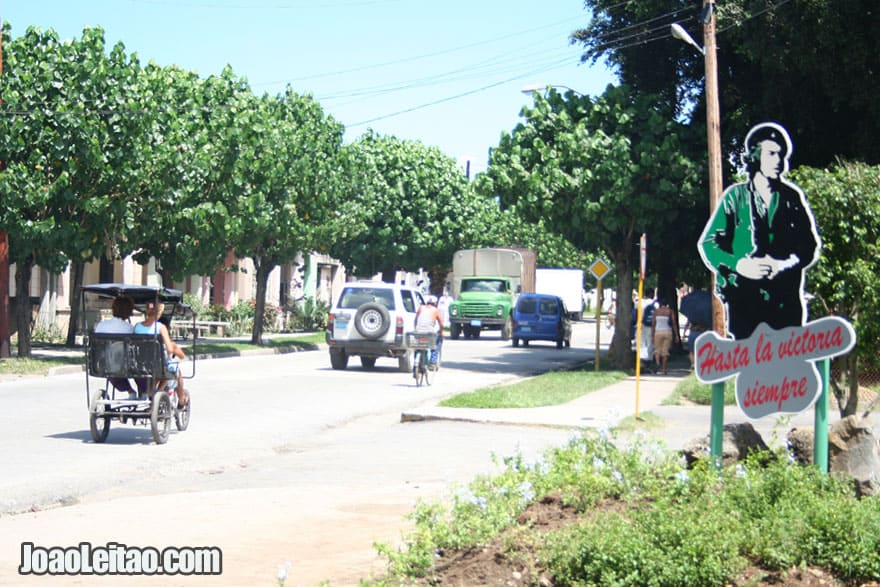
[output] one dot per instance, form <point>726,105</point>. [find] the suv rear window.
<point>353,298</point>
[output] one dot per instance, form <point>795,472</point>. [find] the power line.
<point>419,57</point>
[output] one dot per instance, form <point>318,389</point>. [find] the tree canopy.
<point>810,65</point>
<point>599,172</point>
<point>845,200</point>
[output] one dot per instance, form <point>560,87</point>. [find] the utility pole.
<point>4,268</point>
<point>713,129</point>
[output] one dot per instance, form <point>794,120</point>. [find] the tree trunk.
<point>389,274</point>
<point>165,276</point>
<point>438,281</point>
<point>263,270</point>
<point>620,352</point>
<point>77,269</point>
<point>852,380</point>
<point>23,306</point>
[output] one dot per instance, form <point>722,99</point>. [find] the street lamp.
<point>682,35</point>
<point>538,87</point>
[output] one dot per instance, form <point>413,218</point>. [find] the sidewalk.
<point>678,425</point>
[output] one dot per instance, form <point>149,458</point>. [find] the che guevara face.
<point>772,163</point>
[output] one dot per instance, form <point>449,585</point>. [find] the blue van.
<point>541,317</point>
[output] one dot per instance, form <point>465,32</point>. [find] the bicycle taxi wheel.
<point>181,415</point>
<point>99,419</point>
<point>160,417</point>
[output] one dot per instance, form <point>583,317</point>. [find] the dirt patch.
<point>511,558</point>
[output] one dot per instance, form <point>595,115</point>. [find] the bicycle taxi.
<point>119,358</point>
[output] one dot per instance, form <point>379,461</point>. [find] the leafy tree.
<point>284,153</point>
<point>845,200</point>
<point>805,64</point>
<point>802,63</point>
<point>599,172</point>
<point>414,206</point>
<point>61,138</point>
<point>188,189</point>
<point>627,36</point>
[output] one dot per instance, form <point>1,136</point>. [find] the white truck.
<point>568,284</point>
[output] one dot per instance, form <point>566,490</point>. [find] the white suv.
<point>371,319</point>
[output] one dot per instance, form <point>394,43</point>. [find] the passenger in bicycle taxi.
<point>120,323</point>
<point>152,325</point>
<point>429,319</point>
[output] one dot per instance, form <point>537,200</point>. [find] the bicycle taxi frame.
<point>116,357</point>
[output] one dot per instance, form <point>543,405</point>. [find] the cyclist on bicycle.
<point>429,319</point>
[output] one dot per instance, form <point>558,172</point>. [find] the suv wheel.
<point>338,359</point>
<point>372,320</point>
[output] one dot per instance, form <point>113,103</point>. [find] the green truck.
<point>485,285</point>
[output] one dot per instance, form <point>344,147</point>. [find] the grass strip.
<point>549,389</point>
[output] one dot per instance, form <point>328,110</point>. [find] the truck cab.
<point>483,303</point>
<point>485,285</point>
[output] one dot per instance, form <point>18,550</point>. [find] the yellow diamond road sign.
<point>599,269</point>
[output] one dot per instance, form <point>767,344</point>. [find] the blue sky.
<point>448,74</point>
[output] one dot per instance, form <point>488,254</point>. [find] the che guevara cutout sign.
<point>759,242</point>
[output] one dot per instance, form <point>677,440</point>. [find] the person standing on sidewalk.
<point>661,334</point>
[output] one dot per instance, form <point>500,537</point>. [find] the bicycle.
<point>423,343</point>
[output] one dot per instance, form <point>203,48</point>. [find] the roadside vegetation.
<point>590,513</point>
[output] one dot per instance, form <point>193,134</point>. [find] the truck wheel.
<point>338,359</point>
<point>372,320</point>
<point>455,331</point>
<point>507,329</point>
<point>515,342</point>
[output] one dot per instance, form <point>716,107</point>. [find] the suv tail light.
<point>399,328</point>
<point>330,318</point>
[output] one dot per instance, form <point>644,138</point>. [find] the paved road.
<point>285,459</point>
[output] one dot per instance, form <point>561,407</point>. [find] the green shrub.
<point>646,520</point>
<point>309,315</point>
